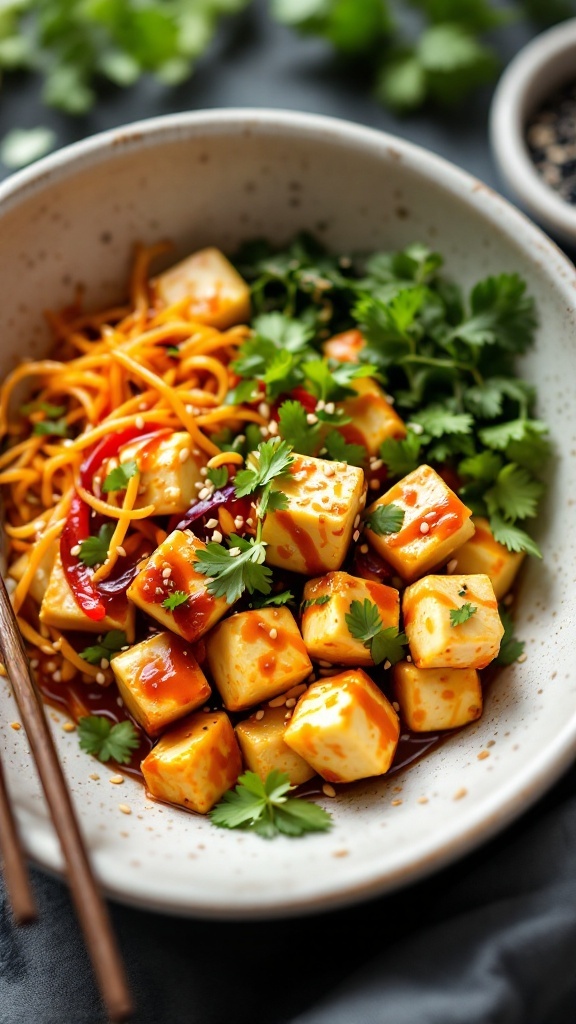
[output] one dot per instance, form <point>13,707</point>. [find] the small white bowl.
<point>535,73</point>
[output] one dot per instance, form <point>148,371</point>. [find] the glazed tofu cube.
<point>433,640</point>
<point>215,291</point>
<point>41,577</point>
<point>169,471</point>
<point>170,571</point>
<point>374,420</point>
<point>345,728</point>
<point>327,601</point>
<point>433,699</point>
<point>345,347</point>
<point>194,762</point>
<point>60,609</point>
<point>160,681</point>
<point>255,655</point>
<point>262,744</point>
<point>435,524</point>
<point>483,554</point>
<point>312,534</point>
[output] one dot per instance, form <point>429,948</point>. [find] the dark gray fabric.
<point>489,940</point>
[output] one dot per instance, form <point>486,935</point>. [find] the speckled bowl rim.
<point>538,68</point>
<point>522,790</point>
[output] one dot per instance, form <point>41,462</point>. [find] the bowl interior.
<point>221,178</point>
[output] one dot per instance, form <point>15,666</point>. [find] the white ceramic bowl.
<point>540,68</point>
<point>220,177</point>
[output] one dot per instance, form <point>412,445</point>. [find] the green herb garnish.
<point>94,550</point>
<point>107,742</point>
<point>264,807</point>
<point>175,600</point>
<point>462,614</point>
<point>385,519</point>
<point>106,648</point>
<point>510,647</point>
<point>365,624</point>
<point>117,479</point>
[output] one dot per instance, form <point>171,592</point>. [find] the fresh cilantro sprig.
<point>233,570</point>
<point>264,807</point>
<point>510,647</point>
<point>218,476</point>
<point>365,623</point>
<point>175,600</point>
<point>309,602</point>
<point>106,648</point>
<point>105,741</point>
<point>117,479</point>
<point>94,550</point>
<point>462,614</point>
<point>271,461</point>
<point>272,601</point>
<point>385,519</point>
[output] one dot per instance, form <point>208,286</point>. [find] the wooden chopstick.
<point>90,907</point>
<point>14,867</point>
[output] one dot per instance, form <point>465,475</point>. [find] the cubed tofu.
<point>255,655</point>
<point>263,748</point>
<point>432,699</point>
<point>312,534</point>
<point>215,291</point>
<point>195,762</point>
<point>169,470</point>
<point>345,347</point>
<point>483,554</point>
<point>434,642</point>
<point>41,577</point>
<point>60,609</point>
<point>345,728</point>
<point>436,523</point>
<point>373,418</point>
<point>151,588</point>
<point>160,681</point>
<point>327,601</point>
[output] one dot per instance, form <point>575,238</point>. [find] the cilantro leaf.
<point>107,742</point>
<point>339,450</point>
<point>47,428</point>
<point>53,412</point>
<point>436,420</point>
<point>514,494</point>
<point>501,313</point>
<point>263,807</point>
<point>365,624</point>
<point>510,647</point>
<point>512,537</point>
<point>401,456</point>
<point>385,519</point>
<point>229,573</point>
<point>94,550</point>
<point>294,428</point>
<point>272,459</point>
<point>218,476</point>
<point>310,601</point>
<point>462,614</point>
<point>275,600</point>
<point>175,600</point>
<point>117,479</point>
<point>110,644</point>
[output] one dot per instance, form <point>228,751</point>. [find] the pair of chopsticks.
<point>90,907</point>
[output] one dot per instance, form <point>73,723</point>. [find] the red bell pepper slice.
<point>78,575</point>
<point>110,446</point>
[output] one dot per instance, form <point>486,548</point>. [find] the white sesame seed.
<point>424,527</point>
<point>330,408</point>
<point>166,573</point>
<point>320,405</point>
<point>203,471</point>
<point>75,550</point>
<point>416,428</point>
<point>57,676</point>
<point>452,565</point>
<point>139,422</point>
<point>116,780</point>
<point>259,715</point>
<point>239,522</point>
<point>234,552</point>
<point>273,633</point>
<point>357,522</point>
<point>396,705</point>
<point>311,418</point>
<point>190,410</point>
<point>408,657</point>
<point>104,663</point>
<point>184,454</point>
<point>51,666</point>
<point>387,664</point>
<point>277,702</point>
<point>264,410</point>
<point>376,464</point>
<point>328,790</point>
<point>273,428</point>
<point>124,808</point>
<point>34,663</point>
<point>249,521</point>
<point>211,524</point>
<point>356,535</point>
<point>374,484</point>
<point>291,701</point>
<point>325,664</point>
<point>100,678</point>
<point>329,471</point>
<point>204,493</point>
<point>217,538</point>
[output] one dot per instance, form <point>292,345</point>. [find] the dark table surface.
<point>489,940</point>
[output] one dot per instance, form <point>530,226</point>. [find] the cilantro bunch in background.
<point>448,356</point>
<point>417,51</point>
